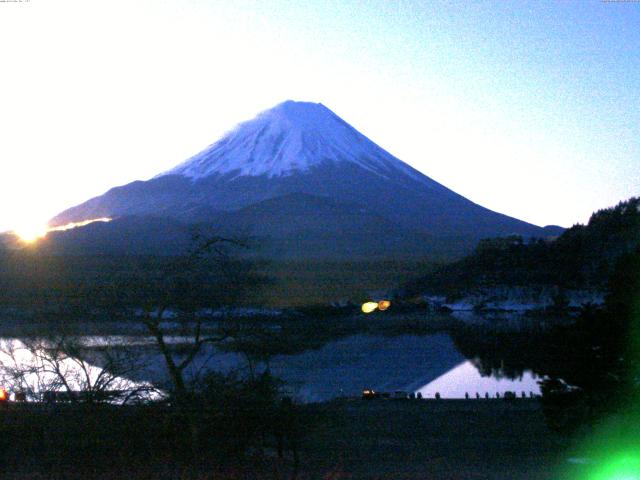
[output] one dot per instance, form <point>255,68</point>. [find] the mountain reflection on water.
<point>409,363</point>
<point>346,366</point>
<point>466,379</point>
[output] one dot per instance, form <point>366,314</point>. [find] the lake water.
<point>428,364</point>
<point>409,363</point>
<point>465,379</point>
<point>36,367</point>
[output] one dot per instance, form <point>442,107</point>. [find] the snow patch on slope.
<point>291,137</point>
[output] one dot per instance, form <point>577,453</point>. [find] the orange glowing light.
<point>3,395</point>
<point>383,305</point>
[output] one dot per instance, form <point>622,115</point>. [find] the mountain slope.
<point>291,226</point>
<point>304,148</point>
<point>300,225</point>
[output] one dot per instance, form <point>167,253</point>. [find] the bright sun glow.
<point>31,233</point>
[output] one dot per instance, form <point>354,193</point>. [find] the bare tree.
<point>67,367</point>
<point>208,277</point>
<point>172,305</point>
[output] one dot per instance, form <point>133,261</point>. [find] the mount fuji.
<point>307,184</point>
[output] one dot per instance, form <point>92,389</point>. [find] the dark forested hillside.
<point>582,257</point>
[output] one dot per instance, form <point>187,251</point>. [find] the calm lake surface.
<point>428,364</point>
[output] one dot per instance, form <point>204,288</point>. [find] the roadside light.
<point>3,395</point>
<point>369,307</point>
<point>383,305</point>
<point>369,394</point>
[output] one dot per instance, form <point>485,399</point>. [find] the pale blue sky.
<point>529,108</point>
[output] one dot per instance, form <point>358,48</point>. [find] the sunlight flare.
<point>32,233</point>
<point>73,225</point>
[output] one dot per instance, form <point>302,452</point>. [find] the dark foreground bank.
<point>448,439</point>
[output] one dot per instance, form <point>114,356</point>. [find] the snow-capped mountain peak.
<point>290,137</point>
<point>306,183</point>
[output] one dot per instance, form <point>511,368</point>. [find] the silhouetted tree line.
<point>504,352</point>
<point>591,366</point>
<point>598,369</point>
<point>86,287</point>
<point>583,256</point>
